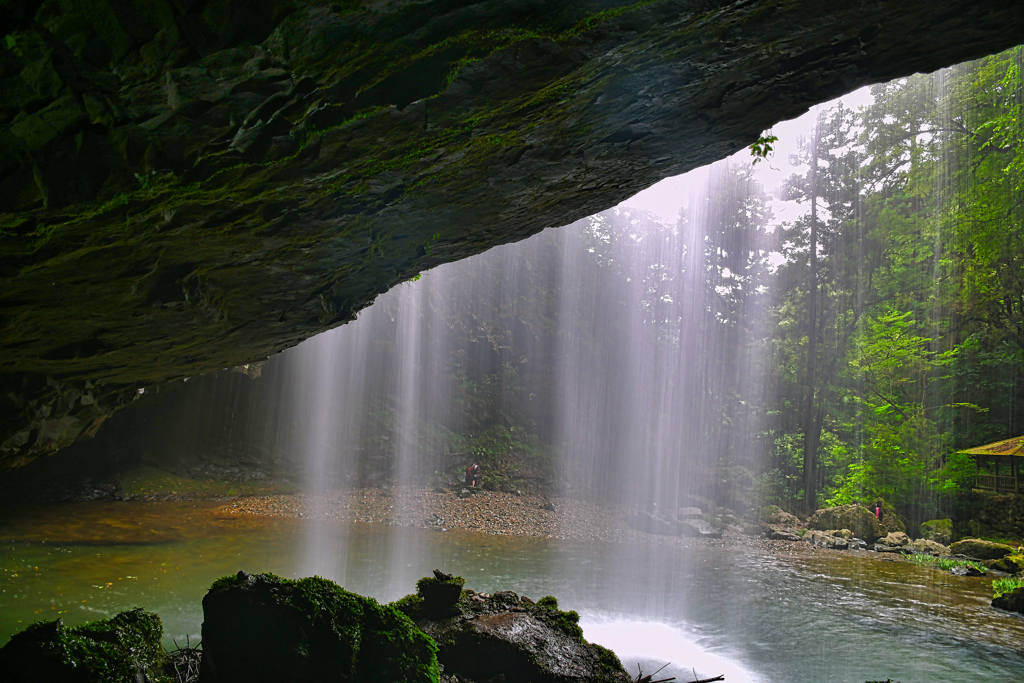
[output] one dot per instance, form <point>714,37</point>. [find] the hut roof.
<point>1014,446</point>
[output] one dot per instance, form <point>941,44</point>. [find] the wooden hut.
<point>999,465</point>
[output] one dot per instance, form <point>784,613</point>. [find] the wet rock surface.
<point>195,187</point>
<point>1011,602</point>
<point>483,637</point>
<point>262,628</point>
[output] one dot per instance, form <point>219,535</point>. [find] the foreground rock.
<point>1012,601</point>
<point>123,649</point>
<point>506,637</point>
<point>261,628</point>
<point>232,177</point>
<point>978,549</point>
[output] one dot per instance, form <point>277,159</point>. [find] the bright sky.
<point>668,196</point>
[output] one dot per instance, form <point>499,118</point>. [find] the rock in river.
<point>980,549</point>
<point>261,628</point>
<point>697,528</point>
<point>1012,601</point>
<point>858,519</point>
<point>505,637</point>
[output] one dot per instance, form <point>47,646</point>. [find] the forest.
<point>838,338</point>
<point>843,355</point>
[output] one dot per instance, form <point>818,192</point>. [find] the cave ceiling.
<point>187,185</point>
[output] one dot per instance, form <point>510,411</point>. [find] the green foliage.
<point>548,602</point>
<point>944,563</point>
<point>763,148</point>
<point>1006,585</point>
<point>920,267</point>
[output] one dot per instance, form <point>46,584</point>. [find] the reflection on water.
<point>738,610</point>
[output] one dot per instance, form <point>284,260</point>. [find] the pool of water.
<point>753,615</point>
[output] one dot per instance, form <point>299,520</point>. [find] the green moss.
<point>112,650</point>
<point>568,623</point>
<point>608,668</point>
<point>386,645</point>
<point>412,606</point>
<point>548,601</point>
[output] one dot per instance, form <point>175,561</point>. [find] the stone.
<point>823,539</point>
<point>689,513</point>
<point>859,520</point>
<point>783,518</point>
<point>966,570</point>
<point>895,539</point>
<point>888,516</point>
<point>781,535</point>
<point>841,533</point>
<point>979,549</point>
<point>123,649</point>
<point>938,530</point>
<point>697,528</point>
<point>503,635</point>
<point>342,151</point>
<point>924,546</point>
<point>883,548</point>
<point>261,628</point>
<point>1011,564</point>
<point>1012,601</point>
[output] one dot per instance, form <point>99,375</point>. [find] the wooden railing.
<point>991,482</point>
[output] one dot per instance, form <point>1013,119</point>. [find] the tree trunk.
<point>810,426</point>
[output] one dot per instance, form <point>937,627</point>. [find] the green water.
<point>751,614</point>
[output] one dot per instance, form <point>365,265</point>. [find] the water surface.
<point>739,610</point>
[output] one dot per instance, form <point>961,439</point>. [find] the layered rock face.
<point>193,184</point>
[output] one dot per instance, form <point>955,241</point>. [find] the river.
<point>738,609</point>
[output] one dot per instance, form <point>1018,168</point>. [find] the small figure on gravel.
<point>473,475</point>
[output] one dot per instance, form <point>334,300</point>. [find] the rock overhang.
<point>203,184</point>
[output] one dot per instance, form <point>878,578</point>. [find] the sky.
<point>668,196</point>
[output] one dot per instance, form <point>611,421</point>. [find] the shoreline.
<point>503,514</point>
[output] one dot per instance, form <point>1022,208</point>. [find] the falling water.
<point>633,359</point>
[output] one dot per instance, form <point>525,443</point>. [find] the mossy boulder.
<point>980,550</point>
<point>123,649</point>
<point>888,516</point>
<point>525,642</point>
<point>1011,564</point>
<point>938,530</point>
<point>858,519</point>
<point>1012,601</point>
<point>264,629</point>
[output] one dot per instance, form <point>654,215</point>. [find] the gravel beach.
<point>503,514</point>
<point>486,511</point>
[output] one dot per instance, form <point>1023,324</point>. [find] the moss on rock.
<point>265,628</point>
<point>123,649</point>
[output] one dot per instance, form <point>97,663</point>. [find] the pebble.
<point>488,512</point>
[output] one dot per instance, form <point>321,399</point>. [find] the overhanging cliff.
<point>189,185</point>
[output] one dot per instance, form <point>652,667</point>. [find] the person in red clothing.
<point>473,475</point>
